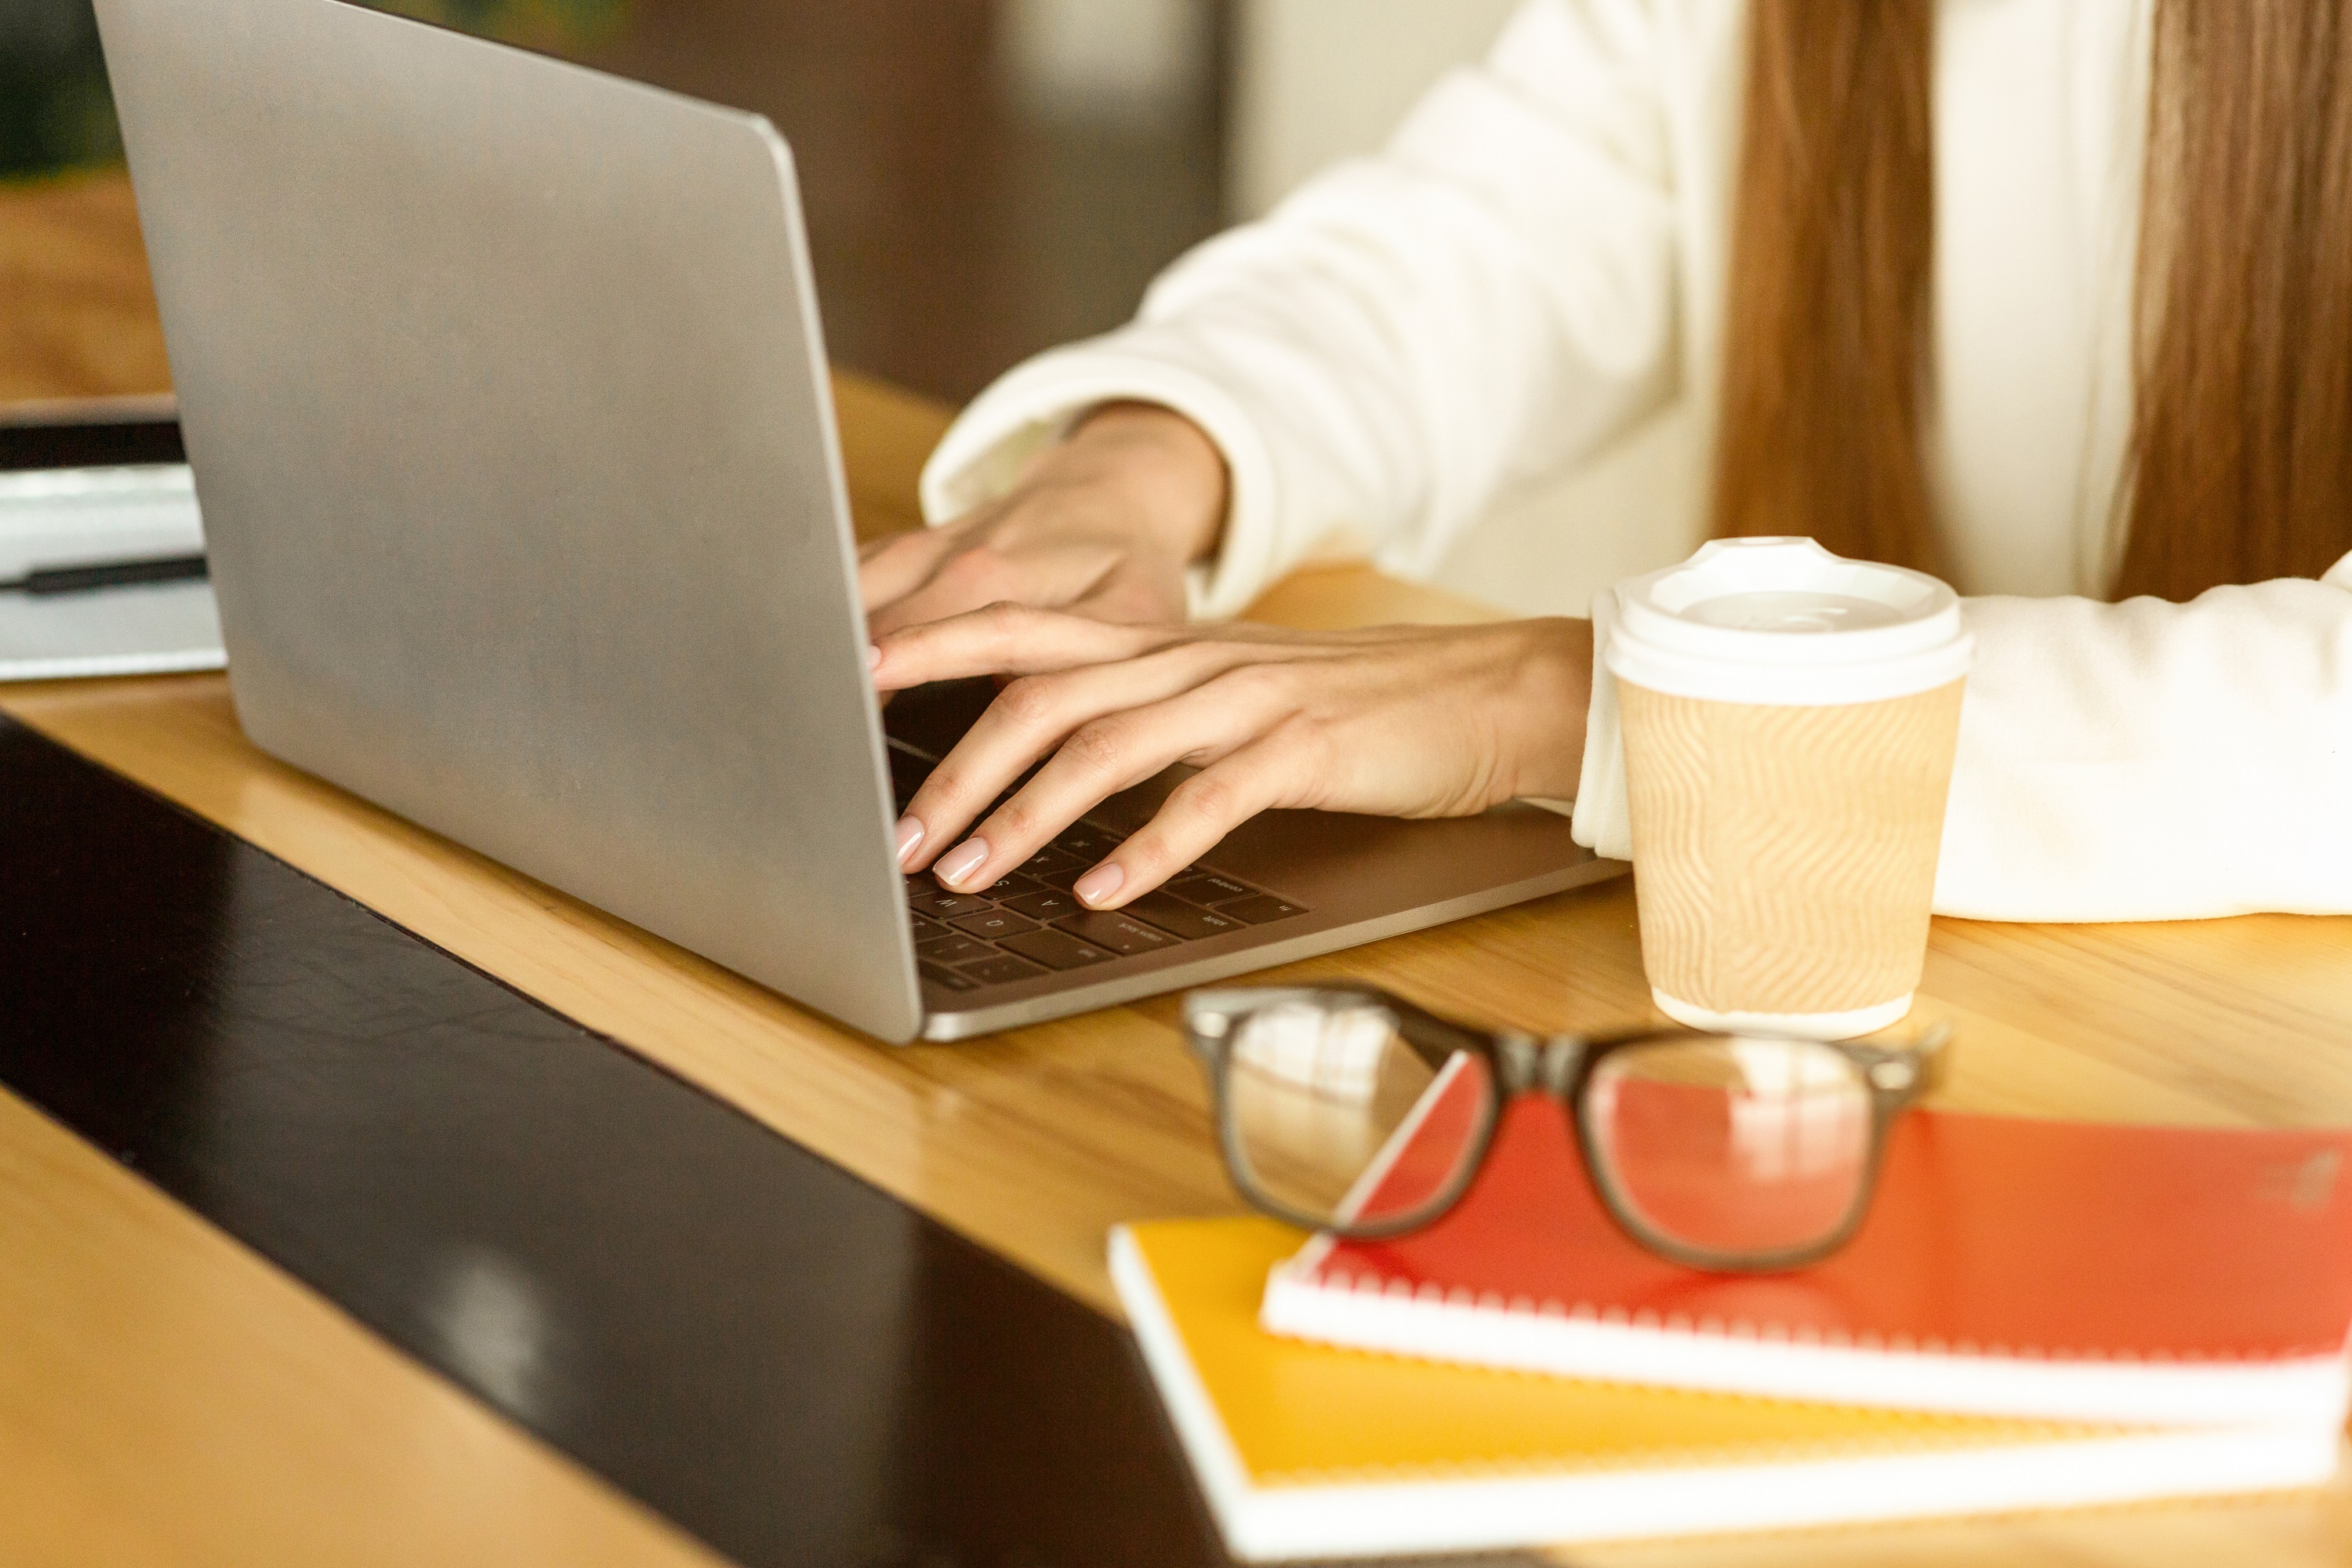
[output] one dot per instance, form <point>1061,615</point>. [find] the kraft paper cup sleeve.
<point>1795,712</point>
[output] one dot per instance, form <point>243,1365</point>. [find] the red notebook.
<point>2006,1267</point>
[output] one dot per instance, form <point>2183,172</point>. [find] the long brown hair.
<point>2240,459</point>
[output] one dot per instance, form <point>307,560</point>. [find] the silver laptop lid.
<point>507,400</point>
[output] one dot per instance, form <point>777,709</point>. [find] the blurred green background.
<point>55,113</point>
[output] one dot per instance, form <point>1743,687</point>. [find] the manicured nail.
<point>910,837</point>
<point>872,656</point>
<point>1099,884</point>
<point>961,861</point>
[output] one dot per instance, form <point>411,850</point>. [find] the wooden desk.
<point>165,1396</point>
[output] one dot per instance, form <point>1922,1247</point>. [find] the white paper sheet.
<point>74,517</point>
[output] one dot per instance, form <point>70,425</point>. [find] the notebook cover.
<point>1305,1449</point>
<point>1991,1237</point>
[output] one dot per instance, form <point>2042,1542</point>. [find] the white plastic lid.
<point>1782,621</point>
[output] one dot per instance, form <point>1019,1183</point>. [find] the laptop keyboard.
<point>1028,922</point>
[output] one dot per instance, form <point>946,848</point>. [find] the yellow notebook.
<point>1303,1450</point>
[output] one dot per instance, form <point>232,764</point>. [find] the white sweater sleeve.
<point>2134,762</point>
<point>1489,298</point>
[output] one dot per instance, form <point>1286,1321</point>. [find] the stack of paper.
<point>2009,1266</point>
<point>2035,1313</point>
<point>1308,1451</point>
<point>78,517</point>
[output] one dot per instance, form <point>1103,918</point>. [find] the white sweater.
<point>1536,263</point>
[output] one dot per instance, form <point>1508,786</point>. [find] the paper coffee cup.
<point>1789,719</point>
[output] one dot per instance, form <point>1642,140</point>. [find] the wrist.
<point>1171,477</point>
<point>1555,695</point>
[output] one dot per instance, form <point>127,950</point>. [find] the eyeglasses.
<point>1348,1109</point>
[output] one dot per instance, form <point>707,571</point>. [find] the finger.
<point>970,579</point>
<point>1133,597</point>
<point>1270,771</point>
<point>1007,638</point>
<point>1109,754</point>
<point>893,567</point>
<point>1100,731</point>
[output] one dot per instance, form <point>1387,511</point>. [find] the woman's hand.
<point>1400,721</point>
<point>1102,523</point>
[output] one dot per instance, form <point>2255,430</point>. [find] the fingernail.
<point>961,861</point>
<point>872,656</point>
<point>910,837</point>
<point>1099,884</point>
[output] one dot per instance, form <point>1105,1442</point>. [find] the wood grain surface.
<point>76,311</point>
<point>1787,854</point>
<point>167,1398</point>
<point>1032,1143</point>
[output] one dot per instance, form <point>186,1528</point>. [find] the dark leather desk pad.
<point>784,1361</point>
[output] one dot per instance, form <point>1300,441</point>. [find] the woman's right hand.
<point>1102,523</point>
<point>1396,720</point>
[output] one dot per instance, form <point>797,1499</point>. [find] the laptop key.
<point>937,902</point>
<point>1044,907</point>
<point>924,927</point>
<point>1008,886</point>
<point>1260,911</point>
<point>1057,948</point>
<point>1002,968</point>
<point>1062,881</point>
<point>952,948</point>
<point>1208,888</point>
<point>1115,931</point>
<point>1088,842</point>
<point>948,979</point>
<point>1049,861</point>
<point>994,925</point>
<point>1177,918</point>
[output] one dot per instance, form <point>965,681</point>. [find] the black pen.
<point>106,575</point>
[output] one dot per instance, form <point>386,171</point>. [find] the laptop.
<point>508,409</point>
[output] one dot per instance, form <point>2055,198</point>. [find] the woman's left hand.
<point>1397,721</point>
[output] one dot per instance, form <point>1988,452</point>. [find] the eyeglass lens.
<point>1335,1118</point>
<point>1732,1146</point>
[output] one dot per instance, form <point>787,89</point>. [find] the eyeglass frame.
<point>1561,1065</point>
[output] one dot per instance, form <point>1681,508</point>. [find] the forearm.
<point>2142,760</point>
<point>2147,761</point>
<point>1545,707</point>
